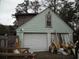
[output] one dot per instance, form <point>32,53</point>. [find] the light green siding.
<point>38,25</point>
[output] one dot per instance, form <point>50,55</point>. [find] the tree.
<point>67,12</point>
<point>70,13</point>
<point>23,7</point>
<point>56,5</point>
<point>35,6</point>
<point>26,5</point>
<point>9,30</point>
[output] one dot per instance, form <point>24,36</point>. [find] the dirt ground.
<point>47,55</point>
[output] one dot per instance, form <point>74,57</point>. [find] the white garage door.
<point>36,42</point>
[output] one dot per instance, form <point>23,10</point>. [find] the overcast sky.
<point>7,8</point>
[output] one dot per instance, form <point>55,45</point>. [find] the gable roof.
<point>56,15</point>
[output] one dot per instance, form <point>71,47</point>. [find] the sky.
<point>7,8</point>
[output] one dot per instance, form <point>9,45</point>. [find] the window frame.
<point>50,21</point>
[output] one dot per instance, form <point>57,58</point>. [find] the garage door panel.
<point>36,42</point>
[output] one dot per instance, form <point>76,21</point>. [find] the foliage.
<point>23,7</point>
<point>67,12</point>
<point>26,5</point>
<point>9,30</point>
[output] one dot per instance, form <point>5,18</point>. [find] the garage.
<point>36,42</point>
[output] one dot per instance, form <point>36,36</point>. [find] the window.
<point>48,20</point>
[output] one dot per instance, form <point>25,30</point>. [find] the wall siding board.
<point>38,25</point>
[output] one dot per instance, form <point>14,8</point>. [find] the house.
<point>7,41</point>
<point>7,36</point>
<point>39,30</point>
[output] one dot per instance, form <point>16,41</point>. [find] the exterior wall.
<point>38,25</point>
